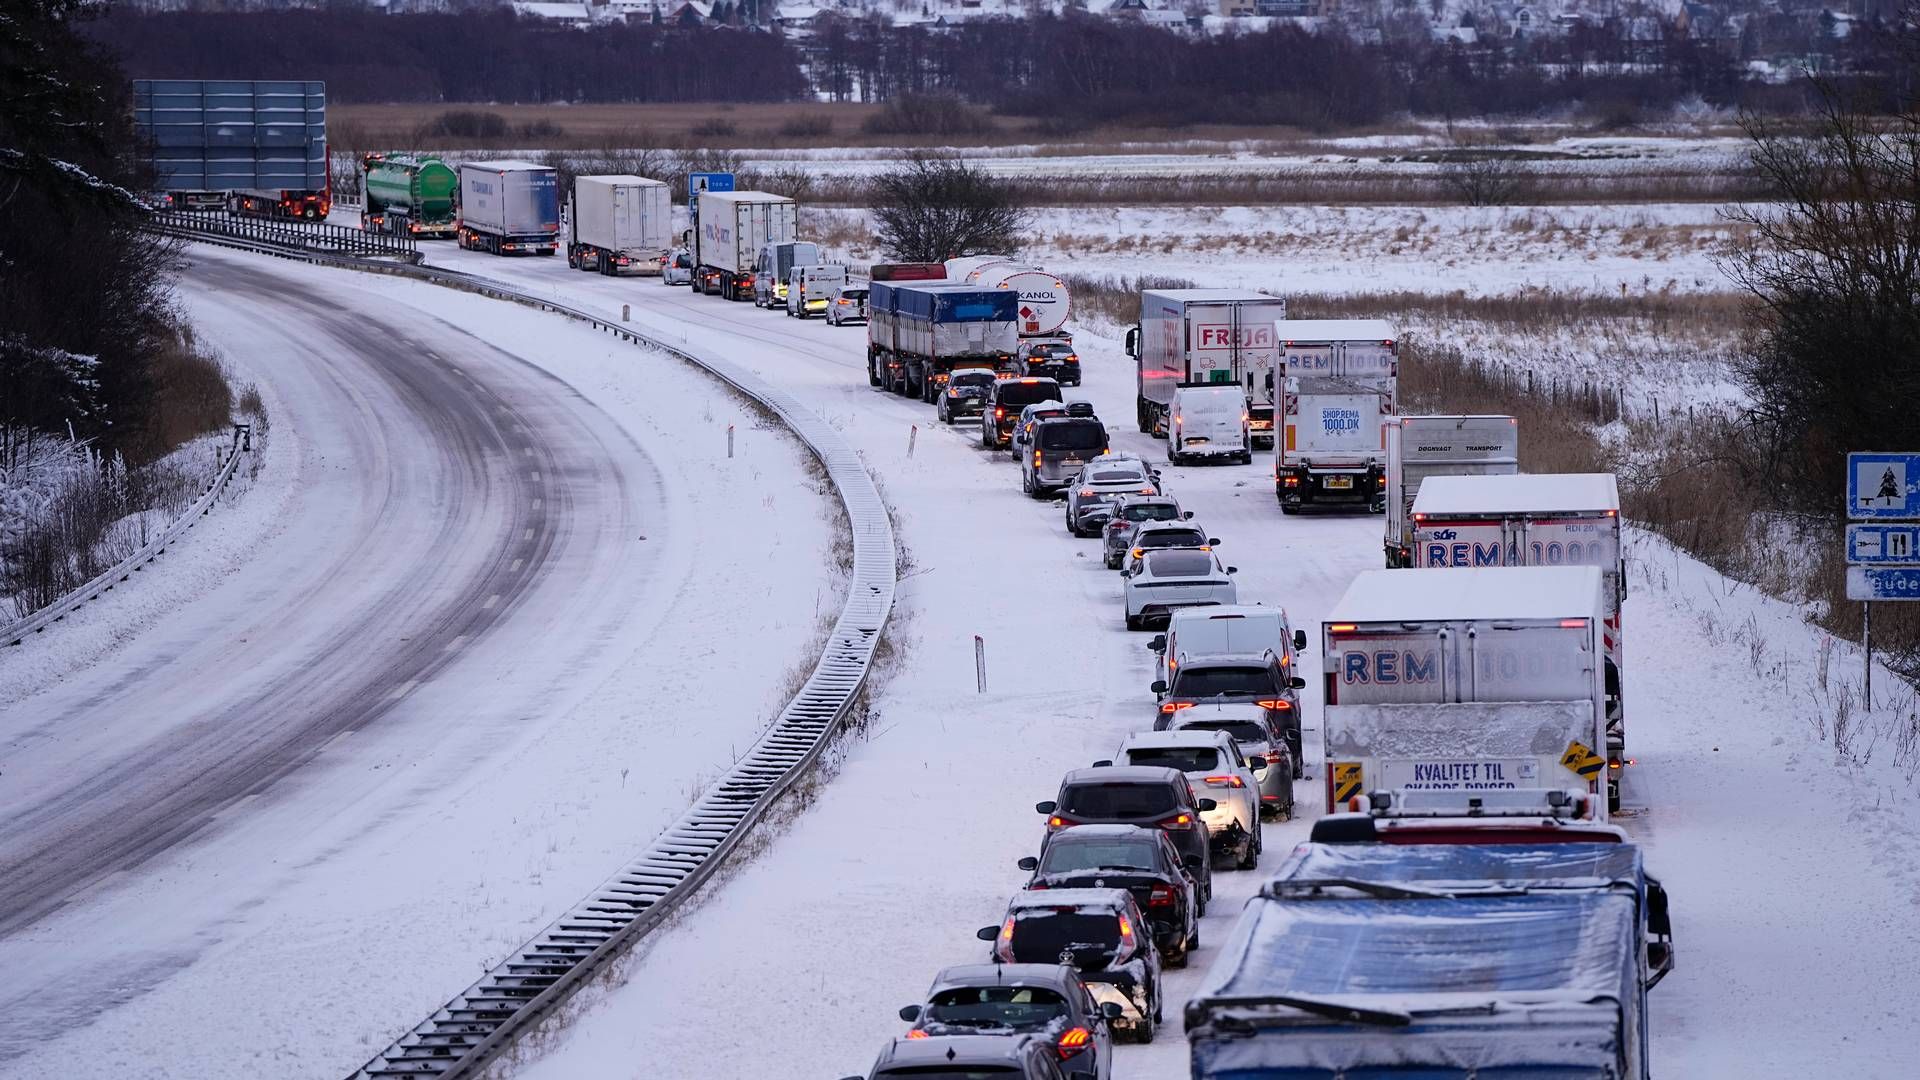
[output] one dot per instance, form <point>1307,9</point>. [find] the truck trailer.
<point>918,334</point>
<point>1487,679</point>
<point>1046,348</point>
<point>1205,336</point>
<point>1559,519</point>
<point>251,147</point>
<point>408,195</point>
<point>1419,447</point>
<point>734,227</point>
<point>1443,961</point>
<point>1338,380</point>
<point>619,225</point>
<point>509,208</point>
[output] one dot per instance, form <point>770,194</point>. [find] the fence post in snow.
<point>626,312</point>
<point>980,663</point>
<point>729,440</point>
<point>913,435</point>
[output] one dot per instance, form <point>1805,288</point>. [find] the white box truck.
<point>1483,679</point>
<point>1190,337</point>
<point>1338,381</point>
<point>1558,519</point>
<point>509,208</point>
<point>734,227</point>
<point>1423,446</point>
<point>619,225</point>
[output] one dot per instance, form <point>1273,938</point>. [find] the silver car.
<point>1215,764</point>
<point>1154,535</point>
<point>1090,495</point>
<point>1264,744</point>
<point>1130,510</point>
<point>677,268</point>
<point>849,304</point>
<point>1165,579</point>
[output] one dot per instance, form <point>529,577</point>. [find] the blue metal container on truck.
<point>254,146</point>
<point>509,208</point>
<point>918,333</point>
<point>1442,961</point>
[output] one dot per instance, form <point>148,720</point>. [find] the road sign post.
<point>1883,558</point>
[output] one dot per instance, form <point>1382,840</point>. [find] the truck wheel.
<point>1140,415</point>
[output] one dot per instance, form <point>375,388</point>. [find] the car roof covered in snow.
<point>1518,493</point>
<point>1116,899</point>
<point>1224,659</point>
<point>1308,331</point>
<point>1002,975</point>
<point>1172,737</point>
<point>1109,831</point>
<point>1216,712</point>
<point>1480,593</point>
<point>1124,774</point>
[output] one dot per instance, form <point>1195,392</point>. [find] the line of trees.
<point>366,56</point>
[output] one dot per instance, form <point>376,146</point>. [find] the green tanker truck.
<point>408,195</point>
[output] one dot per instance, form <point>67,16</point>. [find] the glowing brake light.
<point>1074,1041</point>
<point>1573,624</point>
<point>916,1033</point>
<point>1003,947</point>
<point>1126,929</point>
<point>1146,491</point>
<point>1036,457</point>
<point>1341,628</point>
<point>1001,414</point>
<point>1085,492</point>
<point>1281,704</point>
<point>1056,822</point>
<point>1226,781</point>
<point>1162,895</point>
<point>1177,821</point>
<point>1175,706</point>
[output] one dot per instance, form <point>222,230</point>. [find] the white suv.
<point>1218,770</point>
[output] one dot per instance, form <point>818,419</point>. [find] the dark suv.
<point>1233,679</point>
<point>1058,449</point>
<point>1155,798</point>
<point>1029,1057</point>
<point>1001,408</point>
<point>1142,861</point>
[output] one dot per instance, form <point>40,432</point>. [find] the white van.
<point>1209,421</point>
<point>1215,631</point>
<point>811,289</point>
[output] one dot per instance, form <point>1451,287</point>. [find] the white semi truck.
<point>1190,337</point>
<point>734,227</point>
<point>1338,381</point>
<point>1422,446</point>
<point>1557,519</point>
<point>619,225</point>
<point>1486,679</point>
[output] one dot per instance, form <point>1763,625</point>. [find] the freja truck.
<point>918,334</point>
<point>1419,447</point>
<point>1205,337</point>
<point>1487,679</point>
<point>509,208</point>
<point>1448,961</point>
<point>619,225</point>
<point>408,195</point>
<point>1338,381</point>
<point>1558,519</point>
<point>734,228</point>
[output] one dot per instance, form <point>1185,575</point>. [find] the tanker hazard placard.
<point>1484,774</point>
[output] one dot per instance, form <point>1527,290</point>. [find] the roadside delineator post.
<point>980,663</point>
<point>913,435</point>
<point>729,440</point>
<point>626,312</point>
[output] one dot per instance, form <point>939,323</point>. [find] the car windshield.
<point>1184,758</point>
<point>1018,395</point>
<point>972,378</point>
<point>1180,562</point>
<point>1051,352</point>
<point>1153,512</point>
<point>1118,800</point>
<point>1065,855</point>
<point>854,294</point>
<point>1021,1008</point>
<point>1088,936</point>
<point>1244,732</point>
<point>1166,538</point>
<point>1117,476</point>
<point>1192,682</point>
<point>1073,435</point>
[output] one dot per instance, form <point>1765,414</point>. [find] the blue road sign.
<point>1883,544</point>
<point>1883,583</point>
<point>1881,486</point>
<point>698,182</point>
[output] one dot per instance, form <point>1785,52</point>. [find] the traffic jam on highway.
<point>1473,736</point>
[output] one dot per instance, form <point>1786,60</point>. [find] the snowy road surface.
<point>422,692</point>
<point>1792,891</point>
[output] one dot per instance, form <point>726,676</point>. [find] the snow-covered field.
<point>1792,875</point>
<point>297,927</point>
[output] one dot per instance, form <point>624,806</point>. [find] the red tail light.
<point>1162,896</point>
<point>1226,781</point>
<point>1278,704</point>
<point>1172,707</point>
<point>999,413</point>
<point>1074,1041</point>
<point>1117,525</point>
<point>916,1033</point>
<point>1036,457</point>
<point>1055,821</point>
<point>1275,757</point>
<point>1003,945</point>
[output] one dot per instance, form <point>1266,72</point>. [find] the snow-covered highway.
<point>418,690</point>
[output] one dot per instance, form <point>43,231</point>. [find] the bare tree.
<point>1834,266</point>
<point>1479,176</point>
<point>936,207</point>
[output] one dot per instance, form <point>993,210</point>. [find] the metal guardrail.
<point>462,1036</point>
<point>292,233</point>
<point>18,631</point>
